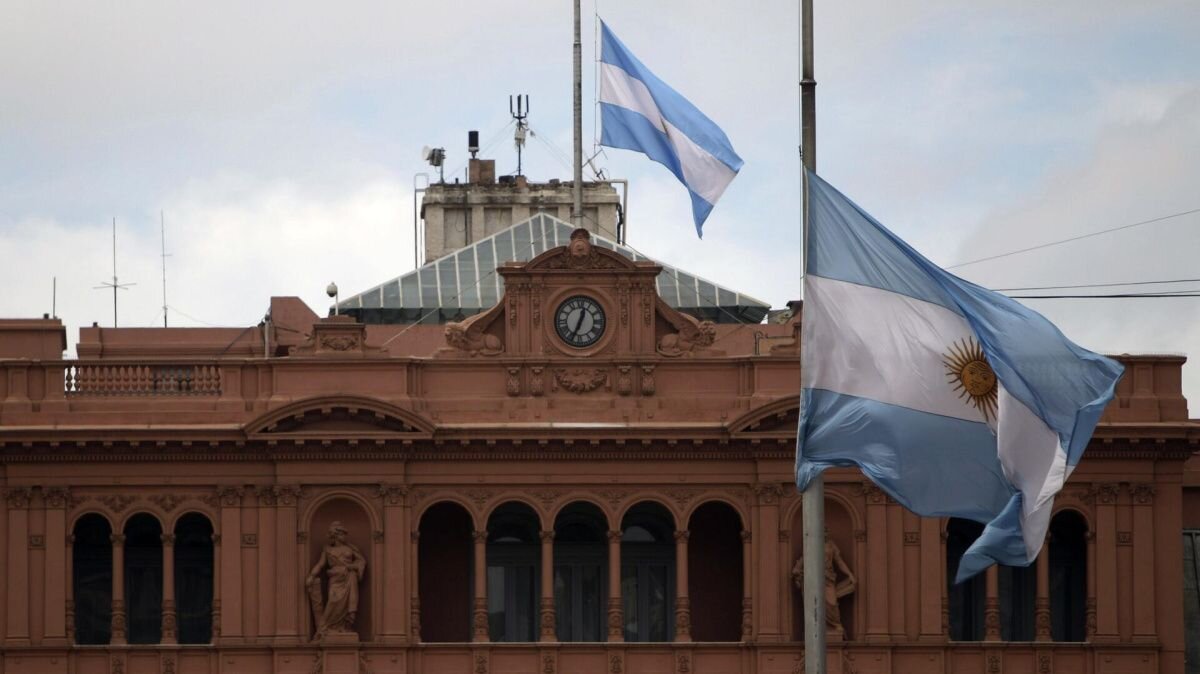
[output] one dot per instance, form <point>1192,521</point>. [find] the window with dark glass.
<point>143,579</point>
<point>1018,591</point>
<point>648,573</point>
<point>194,578</point>
<point>966,600</point>
<point>513,557</point>
<point>445,559</point>
<point>1068,577</point>
<point>715,572</point>
<point>91,571</point>
<point>580,573</point>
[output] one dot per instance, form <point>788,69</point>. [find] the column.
<point>1143,563</point>
<point>57,550</point>
<point>616,618</point>
<point>229,562</point>
<point>1106,561</point>
<point>18,565</point>
<point>991,605</point>
<point>747,587</point>
<point>118,588</point>
<point>877,563</point>
<point>414,606</point>
<point>168,589</point>
<point>1041,602</point>
<point>287,586</point>
<point>771,595</point>
<point>479,614</point>
<point>547,602</point>
<point>933,583</point>
<point>69,588</point>
<point>395,559</point>
<point>683,608</point>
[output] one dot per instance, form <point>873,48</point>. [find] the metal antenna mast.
<point>519,114</point>
<point>577,91</point>
<point>114,285</point>
<point>162,229</point>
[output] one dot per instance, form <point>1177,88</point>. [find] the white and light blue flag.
<point>954,399</point>
<point>640,112</point>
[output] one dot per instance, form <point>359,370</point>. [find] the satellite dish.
<point>425,153</point>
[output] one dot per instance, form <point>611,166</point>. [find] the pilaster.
<point>57,555</point>
<point>396,543</point>
<point>683,606</point>
<point>118,589</point>
<point>230,564</point>
<point>616,618</point>
<point>1106,561</point>
<point>168,589</point>
<point>18,499</point>
<point>286,578</point>
<point>877,563</point>
<point>546,617</point>
<point>769,573</point>
<point>1142,495</point>
<point>479,616</point>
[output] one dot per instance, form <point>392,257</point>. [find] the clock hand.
<point>578,324</point>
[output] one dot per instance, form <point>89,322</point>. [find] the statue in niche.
<point>343,564</point>
<point>839,582</point>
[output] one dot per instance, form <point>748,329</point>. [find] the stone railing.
<point>141,379</point>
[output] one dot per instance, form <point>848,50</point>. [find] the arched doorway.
<point>143,579</point>
<point>580,572</point>
<point>91,578</point>
<point>194,578</point>
<point>715,572</point>
<point>1068,577</point>
<point>444,554</point>
<point>648,572</point>
<point>513,566</point>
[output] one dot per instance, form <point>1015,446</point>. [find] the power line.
<point>1073,238</point>
<point>1118,296</point>
<point>1096,285</point>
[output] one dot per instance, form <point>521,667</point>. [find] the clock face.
<point>579,321</point>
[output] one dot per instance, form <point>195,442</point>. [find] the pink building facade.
<point>612,500</point>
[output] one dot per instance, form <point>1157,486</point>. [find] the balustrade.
<point>129,379</point>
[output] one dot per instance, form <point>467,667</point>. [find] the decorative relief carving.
<point>377,536</point>
<point>479,619</point>
<point>579,254</point>
<point>747,535</point>
<point>873,494</point>
<point>993,663</point>
<point>547,611</point>
<point>547,497</point>
<point>481,664</point>
<point>118,620</point>
<point>1106,493</point>
<point>537,384</point>
<point>479,536</point>
<point>747,618</point>
<point>613,536</point>
<point>249,540</point>
<point>647,303</point>
<point>623,300</point>
<point>1090,617</point>
<point>912,538</point>
<point>1124,538</point>
<point>117,539</point>
<point>682,535</point>
<point>535,302</point>
<point>682,497</point>
<point>614,664</point>
<point>683,618</point>
<point>616,621</point>
<point>230,496</point>
<point>414,617</point>
<point>117,664</point>
<point>768,492</point>
<point>1041,619</point>
<point>37,541</point>
<point>1044,666</point>
<point>613,496</point>
<point>287,494</point>
<point>391,494</point>
<point>1143,493</point>
<point>216,618</point>
<point>167,502</point>
<point>479,496</point>
<point>167,539</point>
<point>547,663</point>
<point>117,502</point>
<point>860,535</point>
<point>168,665</point>
<point>624,380</point>
<point>265,495</point>
<point>168,620</point>
<point>991,619</point>
<point>512,383</point>
<point>648,386</point>
<point>339,342</point>
<point>580,380</point>
<point>683,664</point>
<point>57,497</point>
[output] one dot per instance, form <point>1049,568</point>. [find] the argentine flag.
<point>955,400</point>
<point>640,112</point>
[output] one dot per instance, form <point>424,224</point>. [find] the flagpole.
<point>577,186</point>
<point>813,500</point>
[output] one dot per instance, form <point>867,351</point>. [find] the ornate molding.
<point>580,380</point>
<point>1106,493</point>
<point>1041,619</point>
<point>512,383</point>
<point>683,619</point>
<point>167,539</point>
<point>249,540</point>
<point>546,607</point>
<point>18,498</point>
<point>167,502</point>
<point>57,497</point>
<point>747,618</point>
<point>747,535</point>
<point>912,538</point>
<point>287,494</point>
<point>1142,492</point>
<point>1124,538</point>
<point>116,539</point>
<point>873,494</point>
<point>392,494</point>
<point>117,502</point>
<point>230,496</point>
<point>479,536</point>
<point>681,535</point>
<point>648,386</point>
<point>479,619</point>
<point>991,619</point>
<point>768,492</point>
<point>616,619</point>
<point>547,536</point>
<point>37,542</point>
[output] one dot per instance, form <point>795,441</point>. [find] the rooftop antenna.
<point>519,113</point>
<point>114,285</point>
<point>54,298</point>
<point>162,229</point>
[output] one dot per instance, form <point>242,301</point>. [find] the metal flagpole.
<point>814,496</point>
<point>577,104</point>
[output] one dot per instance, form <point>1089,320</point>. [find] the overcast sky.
<point>281,142</point>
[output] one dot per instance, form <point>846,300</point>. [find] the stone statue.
<point>835,589</point>
<point>344,566</point>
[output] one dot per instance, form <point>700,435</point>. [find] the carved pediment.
<point>337,337</point>
<point>781,416</point>
<point>580,255</point>
<point>338,416</point>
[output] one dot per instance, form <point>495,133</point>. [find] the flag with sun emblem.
<point>956,400</point>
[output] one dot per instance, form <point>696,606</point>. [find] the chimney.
<point>481,171</point>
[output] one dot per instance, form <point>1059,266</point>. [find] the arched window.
<point>91,571</point>
<point>715,572</point>
<point>444,555</point>
<point>143,579</point>
<point>1018,590</point>
<point>194,578</point>
<point>513,559</point>
<point>1068,577</point>
<point>966,599</point>
<point>648,573</point>
<point>580,572</point>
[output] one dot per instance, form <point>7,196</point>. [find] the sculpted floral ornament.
<point>580,381</point>
<point>343,565</point>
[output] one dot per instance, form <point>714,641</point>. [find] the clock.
<point>579,321</point>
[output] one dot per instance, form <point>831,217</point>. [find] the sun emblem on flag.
<point>974,380</point>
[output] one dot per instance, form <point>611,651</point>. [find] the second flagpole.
<point>813,500</point>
